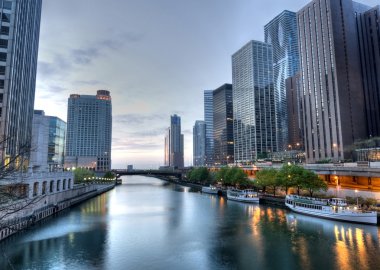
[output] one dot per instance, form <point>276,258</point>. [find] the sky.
<point>155,56</point>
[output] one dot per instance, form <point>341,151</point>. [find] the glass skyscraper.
<point>174,143</point>
<point>89,131</point>
<point>208,117</point>
<point>253,102</point>
<point>19,38</point>
<point>199,143</point>
<point>56,146</point>
<point>281,33</point>
<point>223,125</point>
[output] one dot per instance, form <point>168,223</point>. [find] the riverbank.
<point>47,205</point>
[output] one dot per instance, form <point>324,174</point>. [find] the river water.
<point>147,223</point>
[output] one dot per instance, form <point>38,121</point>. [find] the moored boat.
<point>246,195</point>
<point>335,208</point>
<point>210,190</point>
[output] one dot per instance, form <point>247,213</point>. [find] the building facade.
<point>368,25</point>
<point>199,144</point>
<point>89,131</point>
<point>294,111</point>
<point>209,118</point>
<point>19,39</point>
<point>253,102</point>
<point>174,154</point>
<point>223,125</point>
<point>331,89</point>
<point>57,138</point>
<point>281,33</point>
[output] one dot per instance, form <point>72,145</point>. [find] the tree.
<point>109,175</point>
<point>82,174</point>
<point>312,182</point>
<point>267,178</point>
<point>200,175</point>
<point>290,176</point>
<point>221,175</point>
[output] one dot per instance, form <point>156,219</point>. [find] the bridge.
<point>174,173</point>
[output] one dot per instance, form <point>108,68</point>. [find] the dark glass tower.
<point>208,117</point>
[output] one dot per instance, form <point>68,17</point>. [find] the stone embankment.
<point>27,212</point>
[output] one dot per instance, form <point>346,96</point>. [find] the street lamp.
<point>357,198</point>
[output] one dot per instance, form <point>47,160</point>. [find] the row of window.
<point>52,188</point>
<point>305,205</point>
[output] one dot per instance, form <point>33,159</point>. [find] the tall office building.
<point>19,38</point>
<point>208,117</point>
<point>253,102</point>
<point>332,89</point>
<point>368,25</point>
<point>294,111</point>
<point>281,33</point>
<point>48,142</point>
<point>174,143</point>
<point>199,143</point>
<point>223,125</point>
<point>89,131</point>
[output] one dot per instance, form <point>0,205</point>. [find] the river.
<point>147,223</point>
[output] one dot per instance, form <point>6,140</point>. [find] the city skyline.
<point>148,66</point>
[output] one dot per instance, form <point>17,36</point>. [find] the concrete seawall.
<point>48,205</point>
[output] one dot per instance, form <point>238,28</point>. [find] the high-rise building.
<point>199,143</point>
<point>89,131</point>
<point>208,117</point>
<point>174,143</point>
<point>368,25</point>
<point>48,142</point>
<point>19,38</point>
<point>281,33</point>
<point>253,102</point>
<point>331,89</point>
<point>294,111</point>
<point>223,125</point>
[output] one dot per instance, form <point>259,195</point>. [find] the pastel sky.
<point>155,56</point>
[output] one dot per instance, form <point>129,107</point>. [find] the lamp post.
<point>357,198</point>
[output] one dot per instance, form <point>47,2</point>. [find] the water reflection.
<point>149,224</point>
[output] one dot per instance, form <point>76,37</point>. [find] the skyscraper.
<point>368,25</point>
<point>331,89</point>
<point>48,142</point>
<point>19,30</point>
<point>253,102</point>
<point>174,143</point>
<point>223,125</point>
<point>199,143</point>
<point>281,33</point>
<point>89,131</point>
<point>208,117</point>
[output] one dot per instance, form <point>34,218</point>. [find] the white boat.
<point>210,190</point>
<point>246,195</point>
<point>335,208</point>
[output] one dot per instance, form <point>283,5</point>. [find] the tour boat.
<point>335,208</point>
<point>247,195</point>
<point>210,190</point>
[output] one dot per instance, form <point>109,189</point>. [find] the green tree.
<point>268,178</point>
<point>109,175</point>
<point>80,174</point>
<point>312,182</point>
<point>221,175</point>
<point>290,176</point>
<point>200,175</point>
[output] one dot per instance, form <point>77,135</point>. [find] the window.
<point>2,70</point>
<point>3,57</point>
<point>3,43</point>
<point>6,17</point>
<point>1,84</point>
<point>51,186</point>
<point>7,5</point>
<point>4,30</point>
<point>1,97</point>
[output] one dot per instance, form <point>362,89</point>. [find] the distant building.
<point>281,33</point>
<point>48,142</point>
<point>199,143</point>
<point>208,117</point>
<point>332,86</point>
<point>368,25</point>
<point>174,154</point>
<point>130,168</point>
<point>223,125</point>
<point>253,102</point>
<point>20,29</point>
<point>89,131</point>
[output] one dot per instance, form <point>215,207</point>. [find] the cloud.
<point>90,82</point>
<point>58,66</point>
<point>85,56</point>
<point>137,118</point>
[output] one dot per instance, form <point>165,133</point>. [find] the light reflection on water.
<point>149,224</point>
